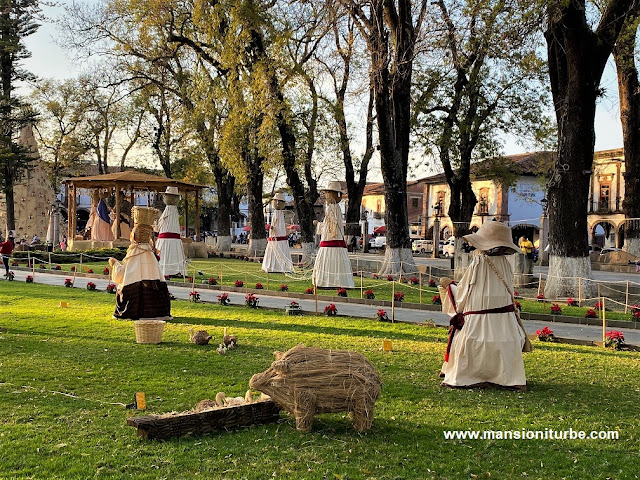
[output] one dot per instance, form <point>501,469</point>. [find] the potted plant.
<point>381,316</point>
<point>259,286</point>
<point>223,299</point>
<point>194,296</point>
<point>212,281</point>
<point>572,302</point>
<point>90,270</point>
<point>29,279</point>
<point>91,286</point>
<point>389,278</point>
<point>309,291</point>
<point>330,310</point>
<point>342,292</point>
<point>555,309</point>
<point>540,297</point>
<point>614,340</point>
<point>284,287</point>
<point>517,305</point>
<point>105,271</point>
<point>293,309</point>
<point>68,282</point>
<point>369,294</point>
<point>635,312</point>
<point>250,300</point>
<point>239,283</point>
<point>111,288</point>
<point>591,313</point>
<point>436,300</point>
<point>398,296</point>
<point>432,283</point>
<point>545,334</point>
<point>57,267</point>
<point>414,280</point>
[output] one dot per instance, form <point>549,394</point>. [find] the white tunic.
<point>277,256</point>
<point>171,250</point>
<point>332,267</point>
<point>488,348</point>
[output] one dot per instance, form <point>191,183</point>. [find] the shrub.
<point>91,286</point>
<point>74,257</point>
<point>239,283</point>
<point>436,300</point>
<point>369,294</point>
<point>545,335</point>
<point>330,310</point>
<point>342,292</point>
<point>212,281</point>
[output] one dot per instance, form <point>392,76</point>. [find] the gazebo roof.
<point>132,179</point>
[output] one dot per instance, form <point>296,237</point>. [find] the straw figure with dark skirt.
<point>486,337</point>
<point>142,292</point>
<point>169,243</point>
<point>277,257</point>
<point>332,267</point>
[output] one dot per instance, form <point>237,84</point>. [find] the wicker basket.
<point>149,331</point>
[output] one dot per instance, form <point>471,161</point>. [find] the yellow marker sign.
<point>141,402</point>
<point>63,304</point>
<point>386,346</point>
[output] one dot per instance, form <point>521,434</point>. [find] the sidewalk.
<point>563,330</point>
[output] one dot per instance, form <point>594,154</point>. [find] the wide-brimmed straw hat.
<point>333,187</point>
<point>491,235</point>
<point>171,191</point>
<point>279,196</point>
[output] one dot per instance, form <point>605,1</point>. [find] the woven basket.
<point>149,331</point>
<point>144,215</point>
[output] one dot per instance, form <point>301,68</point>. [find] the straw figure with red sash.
<point>332,267</point>
<point>486,336</point>
<point>277,256</point>
<point>169,243</point>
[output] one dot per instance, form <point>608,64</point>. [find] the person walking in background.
<point>6,249</point>
<point>526,246</point>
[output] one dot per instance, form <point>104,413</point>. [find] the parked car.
<point>609,249</point>
<point>449,246</point>
<point>422,246</point>
<point>378,242</point>
<point>594,248</point>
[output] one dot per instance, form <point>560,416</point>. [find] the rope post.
<point>604,320</point>
<point>362,288</point>
<point>420,287</point>
<point>580,292</point>
<point>393,301</point>
<point>50,263</point>
<point>315,294</point>
<point>626,298</point>
<point>28,258</point>
<point>429,273</point>
<point>598,290</point>
<point>267,280</point>
<point>80,261</point>
<point>73,282</point>
<point>539,283</point>
<point>221,274</point>
<point>193,283</point>
<point>400,278</point>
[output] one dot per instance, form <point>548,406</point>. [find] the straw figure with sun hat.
<point>169,243</point>
<point>486,337</point>
<point>142,292</point>
<point>332,267</point>
<point>277,256</point>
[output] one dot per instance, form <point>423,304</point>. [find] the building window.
<point>605,192</point>
<point>414,202</point>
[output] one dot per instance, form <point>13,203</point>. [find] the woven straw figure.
<point>307,380</point>
<point>99,221</point>
<point>169,244</point>
<point>332,267</point>
<point>142,293</point>
<point>277,256</point>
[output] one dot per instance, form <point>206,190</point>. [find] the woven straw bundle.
<point>307,380</point>
<point>144,215</point>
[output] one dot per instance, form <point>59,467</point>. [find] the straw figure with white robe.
<point>99,221</point>
<point>142,292</point>
<point>486,337</point>
<point>277,256</point>
<point>169,243</point>
<point>332,267</point>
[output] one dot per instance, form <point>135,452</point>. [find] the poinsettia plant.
<point>369,294</point>
<point>250,300</point>
<point>105,271</point>
<point>309,291</point>
<point>375,275</point>
<point>284,287</point>
<point>382,315</point>
<point>540,297</point>
<point>68,282</point>
<point>398,296</point>
<point>545,334</point>
<point>635,312</point>
<point>57,267</point>
<point>389,278</point>
<point>432,283</point>
<point>572,302</point>
<point>91,286</point>
<point>212,281</point>
<point>436,300</point>
<point>90,270</point>
<point>194,296</point>
<point>591,313</point>
<point>10,276</point>
<point>330,310</point>
<point>223,299</point>
<point>259,286</point>
<point>342,292</point>
<point>239,283</point>
<point>555,309</point>
<point>414,280</point>
<point>111,288</point>
<point>518,305</point>
<point>29,279</point>
<point>614,339</point>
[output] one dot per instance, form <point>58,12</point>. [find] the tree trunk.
<point>629,92</point>
<point>258,237</point>
<point>8,193</point>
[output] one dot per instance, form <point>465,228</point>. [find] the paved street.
<point>580,332</point>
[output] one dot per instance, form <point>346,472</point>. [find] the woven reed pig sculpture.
<point>307,380</point>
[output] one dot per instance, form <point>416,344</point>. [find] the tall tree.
<point>17,21</point>
<point>577,55</point>
<point>629,92</point>
<point>480,77</point>
<point>391,30</point>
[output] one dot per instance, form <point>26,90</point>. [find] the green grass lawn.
<point>83,351</point>
<point>226,271</point>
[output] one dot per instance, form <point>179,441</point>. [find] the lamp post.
<point>56,222</point>
<point>436,230</point>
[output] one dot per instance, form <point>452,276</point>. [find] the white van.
<point>449,247</point>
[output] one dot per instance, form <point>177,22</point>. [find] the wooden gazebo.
<point>132,181</point>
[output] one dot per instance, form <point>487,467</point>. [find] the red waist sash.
<point>277,239</point>
<point>333,243</point>
<point>169,235</point>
